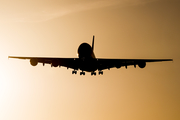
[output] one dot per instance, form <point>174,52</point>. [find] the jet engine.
<point>55,63</point>
<point>142,64</point>
<point>33,61</point>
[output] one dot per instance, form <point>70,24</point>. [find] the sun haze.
<point>127,29</point>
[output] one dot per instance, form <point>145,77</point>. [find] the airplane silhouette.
<point>88,62</point>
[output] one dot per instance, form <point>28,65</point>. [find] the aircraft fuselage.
<point>86,56</point>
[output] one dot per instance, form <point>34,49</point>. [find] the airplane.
<point>87,62</point>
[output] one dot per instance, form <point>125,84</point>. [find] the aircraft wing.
<point>110,63</point>
<point>65,62</point>
<point>102,63</point>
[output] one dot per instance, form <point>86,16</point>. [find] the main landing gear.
<point>93,73</point>
<point>100,72</point>
<point>74,72</point>
<point>82,73</point>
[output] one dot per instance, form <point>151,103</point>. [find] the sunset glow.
<point>124,29</point>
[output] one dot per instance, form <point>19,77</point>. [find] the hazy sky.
<point>122,29</point>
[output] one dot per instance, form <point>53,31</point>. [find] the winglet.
<point>93,43</point>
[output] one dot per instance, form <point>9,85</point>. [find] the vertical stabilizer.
<point>93,43</point>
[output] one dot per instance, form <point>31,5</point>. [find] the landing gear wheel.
<point>100,72</point>
<point>82,73</point>
<point>93,73</point>
<point>74,72</point>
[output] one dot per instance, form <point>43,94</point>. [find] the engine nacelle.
<point>55,63</point>
<point>33,61</point>
<point>142,64</point>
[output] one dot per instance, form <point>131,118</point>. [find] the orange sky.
<point>122,29</point>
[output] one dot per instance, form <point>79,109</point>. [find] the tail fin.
<point>93,43</point>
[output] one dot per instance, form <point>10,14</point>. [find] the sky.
<point>130,29</point>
